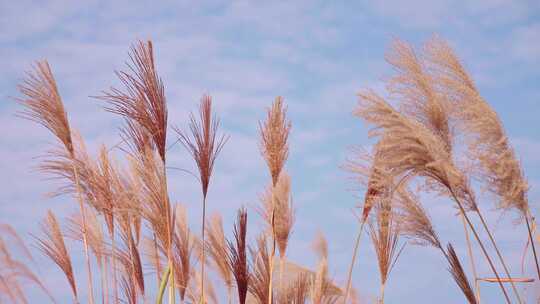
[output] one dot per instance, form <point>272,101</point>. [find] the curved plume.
<point>43,103</point>
<point>54,247</point>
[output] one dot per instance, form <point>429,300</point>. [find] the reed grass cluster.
<point>131,229</point>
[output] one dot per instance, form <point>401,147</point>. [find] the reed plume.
<point>278,200</point>
<point>274,136</point>
<point>43,104</point>
<point>142,102</point>
<point>415,87</point>
<point>414,222</point>
<point>416,225</point>
<point>237,256</point>
<point>385,237</point>
<point>370,172</point>
<point>204,145</point>
<point>278,212</point>
<point>216,247</point>
<point>54,247</point>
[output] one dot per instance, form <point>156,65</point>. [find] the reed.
<point>126,216</point>
<point>204,145</point>
<point>274,146</point>
<point>44,105</point>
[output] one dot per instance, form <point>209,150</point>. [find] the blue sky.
<point>315,54</point>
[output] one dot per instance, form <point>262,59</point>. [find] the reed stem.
<point>532,243</point>
<point>353,260</point>
<point>273,253</point>
<point>499,255</point>
<point>163,285</point>
<point>471,257</point>
<point>113,261</point>
<point>84,232</point>
<point>203,248</point>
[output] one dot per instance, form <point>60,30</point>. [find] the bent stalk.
<point>499,255</point>
<point>532,243</point>
<point>484,251</point>
<point>355,251</point>
<point>471,257</point>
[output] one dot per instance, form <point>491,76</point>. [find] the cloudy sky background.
<point>315,54</point>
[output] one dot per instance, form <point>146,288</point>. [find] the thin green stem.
<point>163,285</point>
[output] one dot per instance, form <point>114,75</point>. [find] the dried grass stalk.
<point>237,256</point>
<point>54,247</point>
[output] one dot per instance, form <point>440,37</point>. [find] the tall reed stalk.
<point>274,134</point>
<point>44,105</point>
<point>204,145</point>
<point>471,257</point>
